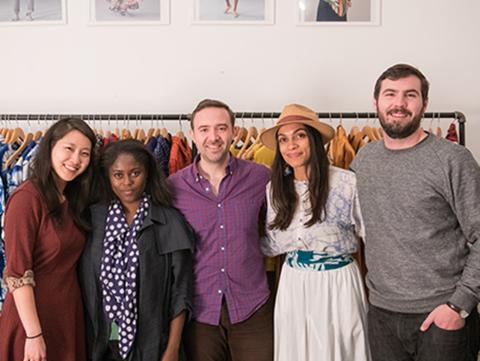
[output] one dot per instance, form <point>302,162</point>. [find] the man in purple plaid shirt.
<point>222,198</point>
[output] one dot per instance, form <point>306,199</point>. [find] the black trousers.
<point>396,336</point>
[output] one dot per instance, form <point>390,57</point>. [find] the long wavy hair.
<point>42,175</point>
<point>283,195</point>
<point>156,185</point>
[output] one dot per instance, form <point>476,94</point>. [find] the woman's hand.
<point>170,355</point>
<point>35,349</point>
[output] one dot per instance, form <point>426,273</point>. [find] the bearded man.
<point>420,199</point>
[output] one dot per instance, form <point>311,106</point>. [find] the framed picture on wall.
<point>233,11</point>
<point>337,12</point>
<point>32,12</point>
<point>129,12</point>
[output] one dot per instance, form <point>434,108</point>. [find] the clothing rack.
<point>458,116</point>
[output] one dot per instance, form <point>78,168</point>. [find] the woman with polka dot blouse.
<point>136,270</point>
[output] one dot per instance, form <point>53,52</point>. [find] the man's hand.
<point>443,317</point>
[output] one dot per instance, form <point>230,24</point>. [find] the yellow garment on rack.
<point>248,155</point>
<point>264,156</point>
<point>341,152</point>
<point>233,150</point>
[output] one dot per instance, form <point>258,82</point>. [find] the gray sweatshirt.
<point>421,208</point>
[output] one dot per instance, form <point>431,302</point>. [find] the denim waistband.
<point>316,261</point>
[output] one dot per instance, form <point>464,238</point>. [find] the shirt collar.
<point>229,169</point>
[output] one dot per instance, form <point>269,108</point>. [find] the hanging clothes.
<point>180,155</point>
<point>161,153</point>
<point>452,134</point>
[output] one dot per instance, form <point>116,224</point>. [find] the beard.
<point>398,130</point>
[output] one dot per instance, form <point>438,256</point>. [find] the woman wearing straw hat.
<point>313,218</point>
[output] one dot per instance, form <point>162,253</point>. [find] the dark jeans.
<point>397,337</point>
<point>250,340</point>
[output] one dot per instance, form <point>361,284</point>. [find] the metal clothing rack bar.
<point>458,116</point>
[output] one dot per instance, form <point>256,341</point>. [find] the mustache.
<point>217,142</point>
<point>399,110</point>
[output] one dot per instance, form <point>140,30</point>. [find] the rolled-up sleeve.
<point>182,287</point>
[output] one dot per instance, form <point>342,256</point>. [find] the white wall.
<point>164,69</point>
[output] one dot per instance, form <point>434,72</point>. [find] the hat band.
<point>293,118</point>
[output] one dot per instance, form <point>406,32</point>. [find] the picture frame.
<point>129,12</point>
<point>337,12</point>
<point>234,12</point>
<point>33,12</point>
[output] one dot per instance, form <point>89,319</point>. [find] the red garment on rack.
<point>180,155</point>
<point>452,134</point>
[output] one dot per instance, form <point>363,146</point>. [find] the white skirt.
<point>321,315</point>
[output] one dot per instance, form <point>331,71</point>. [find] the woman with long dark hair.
<point>136,270</point>
<point>313,217</point>
<point>45,221</point>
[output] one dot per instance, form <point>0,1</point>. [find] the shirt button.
<point>222,269</point>
<point>222,248</point>
<point>219,205</point>
<point>219,291</point>
<point>221,226</point>
<point>207,189</point>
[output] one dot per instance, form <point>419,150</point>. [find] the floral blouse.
<point>337,234</point>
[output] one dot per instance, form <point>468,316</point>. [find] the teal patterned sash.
<point>316,261</point>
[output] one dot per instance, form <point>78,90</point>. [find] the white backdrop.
<point>167,69</point>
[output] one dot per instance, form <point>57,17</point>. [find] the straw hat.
<point>294,114</point>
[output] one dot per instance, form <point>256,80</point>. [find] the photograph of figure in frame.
<point>234,11</point>
<point>31,11</point>
<point>127,11</point>
<point>338,11</point>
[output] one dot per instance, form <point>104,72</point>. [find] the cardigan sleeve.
<point>22,223</point>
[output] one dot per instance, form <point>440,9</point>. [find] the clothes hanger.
<point>180,133</point>
<point>13,158</point>
<point>439,132</point>
<point>257,143</point>
<point>164,131</point>
<point>139,133</point>
<point>126,134</point>
<point>16,134</point>
<point>150,132</point>
<point>367,131</point>
<point>116,131</point>
<point>430,129</point>
<point>354,130</point>
<point>241,134</point>
<point>252,134</point>
<point>108,133</point>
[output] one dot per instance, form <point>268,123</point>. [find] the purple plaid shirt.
<point>228,261</point>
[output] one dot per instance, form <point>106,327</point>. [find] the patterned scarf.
<point>118,271</point>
